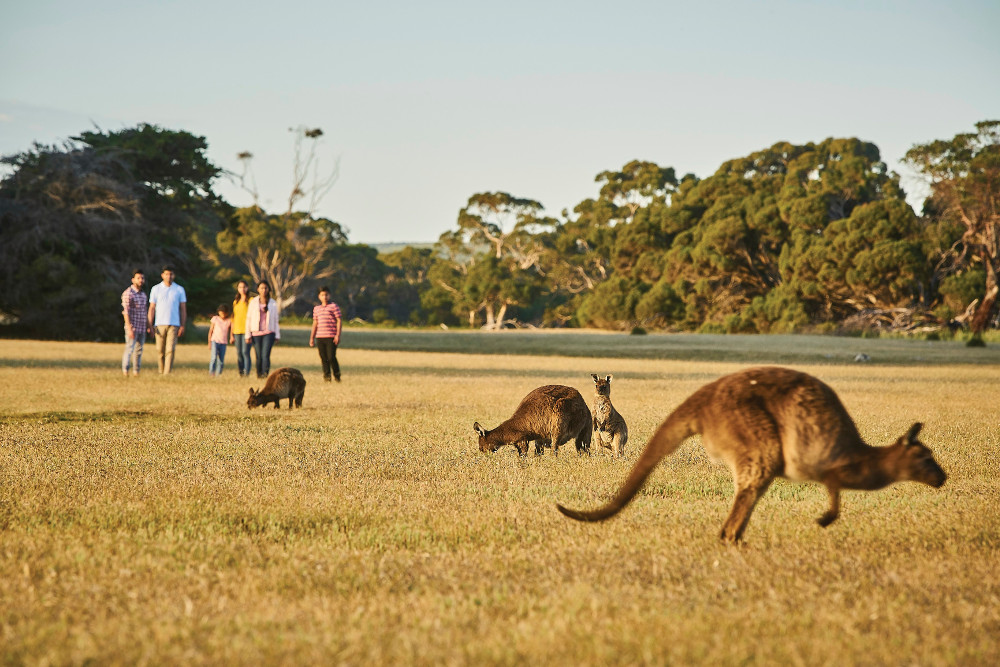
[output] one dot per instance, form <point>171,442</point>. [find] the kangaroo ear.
<point>479,429</point>
<point>911,435</point>
<point>594,375</point>
<point>251,391</point>
<point>608,378</point>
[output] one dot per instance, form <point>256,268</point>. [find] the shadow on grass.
<point>76,364</point>
<point>54,416</point>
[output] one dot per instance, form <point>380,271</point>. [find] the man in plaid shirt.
<point>134,310</point>
<point>325,333</point>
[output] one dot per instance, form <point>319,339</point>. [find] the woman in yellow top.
<point>240,304</point>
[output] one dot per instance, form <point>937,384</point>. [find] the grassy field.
<point>157,520</point>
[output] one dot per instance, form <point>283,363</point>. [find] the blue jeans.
<point>243,360</point>
<point>262,350</point>
<point>218,358</point>
<point>133,353</point>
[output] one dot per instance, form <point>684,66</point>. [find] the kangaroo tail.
<point>672,432</point>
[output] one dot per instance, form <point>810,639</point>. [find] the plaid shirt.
<point>135,303</point>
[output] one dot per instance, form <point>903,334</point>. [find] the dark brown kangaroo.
<point>282,383</point>
<point>550,415</point>
<point>776,422</point>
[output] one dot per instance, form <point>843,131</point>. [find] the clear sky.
<point>426,103</point>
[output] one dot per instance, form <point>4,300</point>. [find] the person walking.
<point>167,316</point>
<point>134,310</point>
<point>220,332</point>
<point>240,304</point>
<point>325,334</point>
<point>262,327</point>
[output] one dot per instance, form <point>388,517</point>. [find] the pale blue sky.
<point>429,102</point>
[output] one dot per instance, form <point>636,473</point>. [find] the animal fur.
<point>776,422</point>
<point>282,383</point>
<point>548,416</point>
<point>610,429</point>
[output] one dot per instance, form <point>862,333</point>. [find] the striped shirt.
<point>134,303</point>
<point>327,320</point>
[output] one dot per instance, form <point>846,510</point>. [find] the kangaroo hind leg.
<point>617,445</point>
<point>753,470</point>
<point>747,495</point>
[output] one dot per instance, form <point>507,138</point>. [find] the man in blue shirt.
<point>167,315</point>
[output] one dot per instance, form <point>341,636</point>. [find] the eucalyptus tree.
<point>291,248</point>
<point>964,174</point>
<point>764,223</point>
<point>853,244</point>
<point>637,184</point>
<point>494,256</point>
<point>286,250</point>
<point>504,223</point>
<point>617,233</point>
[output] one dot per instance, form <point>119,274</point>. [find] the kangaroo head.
<point>602,387</point>
<point>252,401</point>
<point>916,462</point>
<point>483,445</point>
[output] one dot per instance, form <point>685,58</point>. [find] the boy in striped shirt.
<point>325,333</point>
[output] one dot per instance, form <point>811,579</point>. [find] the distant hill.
<point>385,248</point>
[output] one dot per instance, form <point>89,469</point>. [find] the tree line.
<point>811,237</point>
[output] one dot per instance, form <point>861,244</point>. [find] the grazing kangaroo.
<point>282,383</point>
<point>610,429</point>
<point>549,416</point>
<point>776,422</point>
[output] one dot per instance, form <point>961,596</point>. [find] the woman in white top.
<point>262,326</point>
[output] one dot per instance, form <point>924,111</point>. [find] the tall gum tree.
<point>503,222</point>
<point>498,235</point>
<point>284,250</point>
<point>964,174</point>
<point>619,233</point>
<point>289,248</point>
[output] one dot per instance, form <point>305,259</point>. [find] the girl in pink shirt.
<point>220,332</point>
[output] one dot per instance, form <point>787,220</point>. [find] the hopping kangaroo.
<point>610,429</point>
<point>776,422</point>
<point>550,415</point>
<point>282,383</point>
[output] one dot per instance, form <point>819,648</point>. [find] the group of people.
<point>163,313</point>
<point>250,323</point>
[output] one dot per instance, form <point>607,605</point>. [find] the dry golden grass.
<point>158,520</point>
